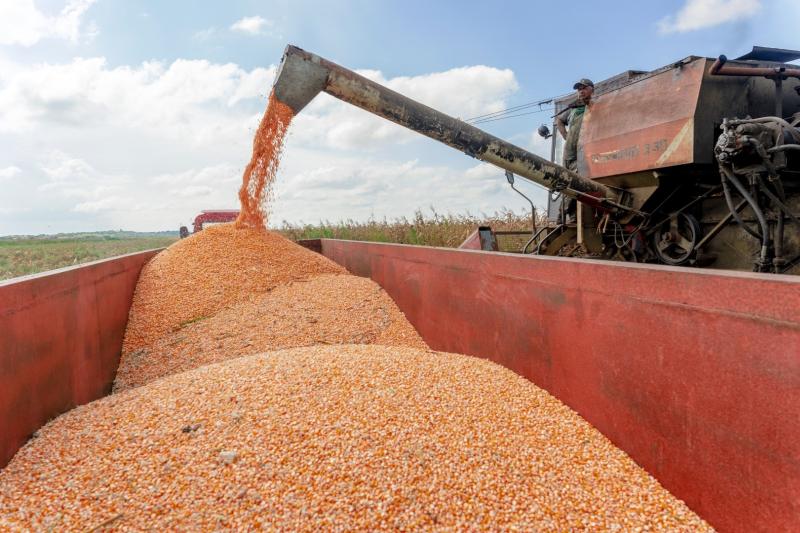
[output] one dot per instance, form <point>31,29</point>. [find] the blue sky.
<point>137,114</point>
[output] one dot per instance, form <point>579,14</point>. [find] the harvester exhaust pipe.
<point>302,75</point>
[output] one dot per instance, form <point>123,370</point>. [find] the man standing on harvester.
<point>572,118</point>
<point>568,123</point>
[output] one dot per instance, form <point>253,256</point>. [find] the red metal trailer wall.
<point>694,373</point>
<point>60,341</point>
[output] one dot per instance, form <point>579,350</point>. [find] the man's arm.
<point>561,124</point>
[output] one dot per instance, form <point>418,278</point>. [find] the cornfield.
<point>433,229</point>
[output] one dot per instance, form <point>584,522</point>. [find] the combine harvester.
<point>663,152</point>
<point>695,373</point>
<point>213,216</point>
<point>209,217</point>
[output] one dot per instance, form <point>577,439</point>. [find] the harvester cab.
<point>650,184</point>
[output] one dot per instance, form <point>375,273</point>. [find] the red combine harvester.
<point>695,163</point>
<point>210,216</point>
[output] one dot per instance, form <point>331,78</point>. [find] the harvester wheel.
<point>676,239</point>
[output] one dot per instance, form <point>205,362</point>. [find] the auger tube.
<point>302,75</point>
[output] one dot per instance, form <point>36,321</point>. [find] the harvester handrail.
<point>721,68</point>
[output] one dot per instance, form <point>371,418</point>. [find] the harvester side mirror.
<point>544,131</point>
<point>510,177</point>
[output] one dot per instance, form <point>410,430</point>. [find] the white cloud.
<point>539,145</point>
<point>21,22</point>
<point>104,204</point>
<point>129,132</point>
<point>251,25</point>
<point>200,102</point>
<point>70,177</point>
<point>336,187</point>
<point>119,197</point>
<point>461,92</point>
<point>483,171</point>
<point>9,172</point>
<point>148,146</point>
<point>190,100</point>
<point>9,211</point>
<point>61,168</point>
<point>215,174</point>
<point>699,14</point>
<point>6,211</point>
<point>254,84</point>
<point>193,191</point>
<point>204,35</point>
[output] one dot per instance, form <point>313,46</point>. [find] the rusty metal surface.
<point>473,242</point>
<point>60,341</point>
<point>481,239</point>
<point>315,245</point>
<point>214,216</point>
<point>668,117</point>
<point>722,68</point>
<point>694,373</point>
<point>644,125</point>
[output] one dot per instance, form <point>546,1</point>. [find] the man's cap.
<point>583,82</point>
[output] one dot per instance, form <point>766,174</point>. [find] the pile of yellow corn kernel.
<point>362,427</point>
<point>332,438</point>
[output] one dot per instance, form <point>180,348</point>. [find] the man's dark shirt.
<point>574,122</point>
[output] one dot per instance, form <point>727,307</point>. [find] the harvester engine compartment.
<point>707,152</point>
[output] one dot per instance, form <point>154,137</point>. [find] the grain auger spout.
<point>302,75</point>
